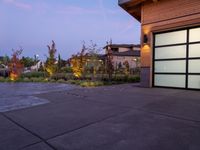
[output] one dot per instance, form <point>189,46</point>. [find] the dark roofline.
<point>133,7</point>
<point>127,53</point>
<point>123,46</point>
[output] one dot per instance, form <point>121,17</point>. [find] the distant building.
<point>124,53</point>
<point>4,71</point>
<point>121,53</point>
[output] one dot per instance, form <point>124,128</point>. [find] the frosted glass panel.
<point>170,52</point>
<point>178,66</point>
<point>194,50</point>
<point>194,35</point>
<point>170,80</point>
<point>171,38</point>
<point>194,81</point>
<point>194,66</point>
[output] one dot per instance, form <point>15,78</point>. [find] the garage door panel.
<point>175,37</point>
<point>194,66</point>
<point>194,35</point>
<point>194,81</point>
<point>170,52</point>
<point>177,66</point>
<point>177,59</point>
<point>194,50</point>
<point>170,80</point>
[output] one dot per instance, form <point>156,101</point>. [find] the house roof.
<point>122,45</point>
<point>127,53</point>
<point>133,7</point>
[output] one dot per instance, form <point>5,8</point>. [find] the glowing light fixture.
<point>145,39</point>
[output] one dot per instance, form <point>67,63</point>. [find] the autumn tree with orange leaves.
<point>15,66</point>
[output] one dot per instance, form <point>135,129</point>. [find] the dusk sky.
<point>32,24</point>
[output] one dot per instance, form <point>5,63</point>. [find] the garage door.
<point>176,61</point>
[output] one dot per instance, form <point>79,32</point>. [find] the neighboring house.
<point>4,71</point>
<point>36,66</point>
<point>170,43</point>
<point>124,53</point>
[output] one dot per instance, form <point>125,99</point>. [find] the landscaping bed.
<point>86,81</point>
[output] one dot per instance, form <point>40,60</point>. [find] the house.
<point>170,41</point>
<point>4,71</point>
<point>122,53</point>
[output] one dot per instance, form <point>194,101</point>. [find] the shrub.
<point>26,79</point>
<point>61,81</point>
<point>37,79</point>
<point>33,75</point>
<point>134,79</point>
<point>2,79</point>
<point>66,69</point>
<point>91,83</point>
<point>58,76</point>
<point>77,82</point>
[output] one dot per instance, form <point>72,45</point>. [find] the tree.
<point>59,62</point>
<point>6,60</point>
<point>127,68</point>
<point>50,65</point>
<point>27,61</point>
<point>41,67</point>
<point>109,62</point>
<point>15,66</point>
<point>78,62</point>
<point>119,65</point>
<point>93,54</point>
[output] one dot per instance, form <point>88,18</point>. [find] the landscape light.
<point>145,39</point>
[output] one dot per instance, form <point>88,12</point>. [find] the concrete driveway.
<point>121,117</point>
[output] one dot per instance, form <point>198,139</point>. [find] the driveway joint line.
<point>88,124</point>
<point>168,115</point>
<point>34,134</point>
<point>29,145</point>
<point>87,98</point>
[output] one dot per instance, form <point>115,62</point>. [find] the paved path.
<point>121,117</point>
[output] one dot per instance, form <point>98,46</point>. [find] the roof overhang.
<point>133,7</point>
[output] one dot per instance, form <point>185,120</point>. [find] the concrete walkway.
<point>121,117</point>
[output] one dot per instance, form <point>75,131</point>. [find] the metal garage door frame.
<point>172,59</point>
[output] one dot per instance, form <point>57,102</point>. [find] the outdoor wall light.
<point>145,39</point>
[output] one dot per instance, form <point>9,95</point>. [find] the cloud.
<point>18,4</point>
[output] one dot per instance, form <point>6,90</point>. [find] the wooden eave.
<point>133,7</point>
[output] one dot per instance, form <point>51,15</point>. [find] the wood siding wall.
<point>168,9</point>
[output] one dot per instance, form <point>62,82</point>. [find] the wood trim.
<point>153,22</point>
<point>165,26</point>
